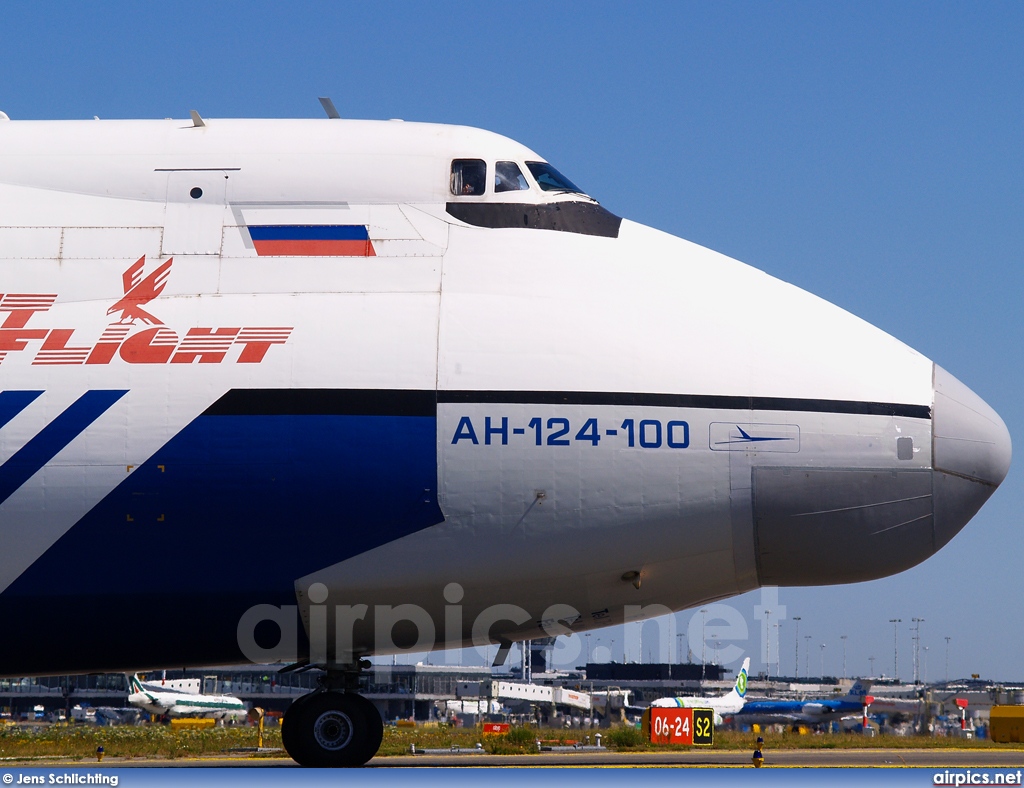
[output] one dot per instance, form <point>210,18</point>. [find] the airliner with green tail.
<point>724,706</point>
<point>160,700</point>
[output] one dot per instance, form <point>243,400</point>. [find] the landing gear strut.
<point>332,728</point>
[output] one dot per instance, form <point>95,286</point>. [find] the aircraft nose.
<point>970,439</point>
<point>971,454</point>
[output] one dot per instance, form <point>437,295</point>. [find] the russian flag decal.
<point>320,240</point>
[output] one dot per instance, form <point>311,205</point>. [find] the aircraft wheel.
<point>333,729</point>
<point>291,724</point>
<point>375,725</point>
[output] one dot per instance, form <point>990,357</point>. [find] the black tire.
<point>291,725</point>
<point>332,729</point>
<point>375,725</point>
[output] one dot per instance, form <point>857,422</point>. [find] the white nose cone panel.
<point>970,440</point>
<point>971,454</point>
<point>881,520</point>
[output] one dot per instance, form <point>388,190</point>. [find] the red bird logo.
<point>139,291</point>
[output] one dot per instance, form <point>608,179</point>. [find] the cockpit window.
<point>509,178</point>
<point>551,180</point>
<point>469,176</point>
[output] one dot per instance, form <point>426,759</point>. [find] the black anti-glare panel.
<point>585,218</point>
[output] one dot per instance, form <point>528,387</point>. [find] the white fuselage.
<point>160,701</point>
<point>723,706</point>
<point>575,426</point>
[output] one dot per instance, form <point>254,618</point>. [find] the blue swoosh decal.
<point>750,438</point>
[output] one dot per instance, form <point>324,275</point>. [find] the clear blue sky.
<point>868,152</point>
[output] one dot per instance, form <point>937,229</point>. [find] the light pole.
<point>924,670</point>
<point>823,662</point>
<point>703,646</point>
<point>612,651</point>
<point>807,656</point>
<point>796,655</point>
<point>917,649</point>
<point>778,648</point>
<point>588,648</point>
<point>679,647</point>
<point>768,634</point>
<point>895,647</point>
<point>947,659</point>
<point>871,661</point>
<point>843,638</point>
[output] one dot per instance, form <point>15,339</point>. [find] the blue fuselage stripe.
<point>14,402</point>
<point>31,457</point>
<point>269,489</point>
<point>300,232</point>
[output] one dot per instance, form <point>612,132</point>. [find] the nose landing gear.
<point>331,728</point>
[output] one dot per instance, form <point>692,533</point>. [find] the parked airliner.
<point>724,706</point>
<point>382,385</point>
<point>813,711</point>
<point>160,700</point>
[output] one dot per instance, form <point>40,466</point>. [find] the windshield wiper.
<point>574,191</point>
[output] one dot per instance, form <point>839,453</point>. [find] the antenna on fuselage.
<point>329,108</point>
<point>197,119</point>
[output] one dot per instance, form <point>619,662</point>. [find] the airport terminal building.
<point>604,693</point>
